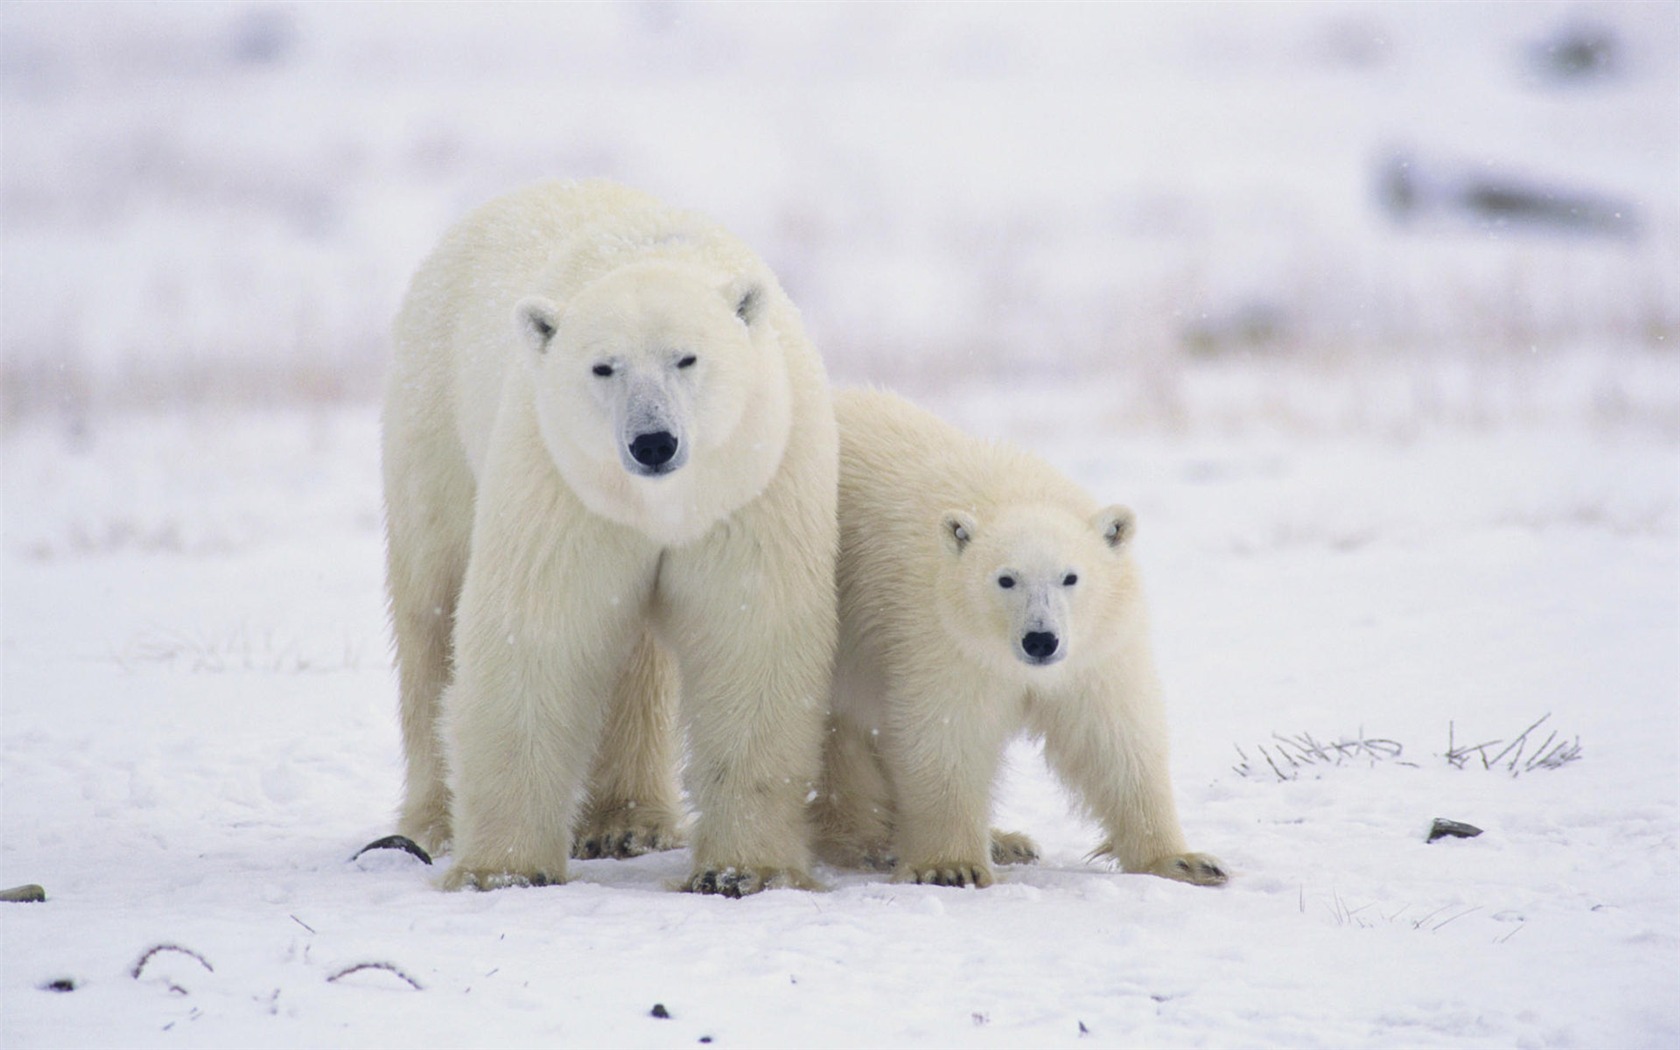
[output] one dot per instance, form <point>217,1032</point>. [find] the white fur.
<point>550,590</point>
<point>959,561</point>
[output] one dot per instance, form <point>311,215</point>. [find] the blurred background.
<point>1322,215</point>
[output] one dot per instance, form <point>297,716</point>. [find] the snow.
<point>1443,496</point>
<point>200,730</point>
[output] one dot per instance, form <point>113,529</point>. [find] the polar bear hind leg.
<point>426,556</point>
<point>853,811</point>
<point>634,805</point>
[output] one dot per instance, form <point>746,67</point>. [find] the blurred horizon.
<point>221,203</point>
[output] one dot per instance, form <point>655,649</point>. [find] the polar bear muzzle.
<point>650,424</point>
<point>1041,647</point>
<point>654,450</point>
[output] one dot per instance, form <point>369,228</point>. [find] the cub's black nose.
<point>655,449</point>
<point>1040,645</point>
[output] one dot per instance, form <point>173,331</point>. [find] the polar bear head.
<point>661,393</point>
<point>1033,586</point>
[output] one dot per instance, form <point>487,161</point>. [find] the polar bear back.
<point>901,466</point>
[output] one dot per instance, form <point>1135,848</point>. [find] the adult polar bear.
<point>610,468</point>
<point>981,591</point>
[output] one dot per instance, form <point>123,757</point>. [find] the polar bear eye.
<point>687,361</point>
<point>1070,579</point>
<point>1006,582</point>
<point>603,370</point>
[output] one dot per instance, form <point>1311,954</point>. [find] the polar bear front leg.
<point>552,608</point>
<point>750,612</point>
<point>942,751</point>
<point>1108,743</point>
<point>634,806</point>
<point>525,715</point>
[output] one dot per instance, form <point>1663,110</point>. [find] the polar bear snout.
<point>650,422</point>
<point>1042,647</point>
<point>656,452</point>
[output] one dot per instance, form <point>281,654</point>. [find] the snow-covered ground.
<point>200,729</point>
<point>1394,481</point>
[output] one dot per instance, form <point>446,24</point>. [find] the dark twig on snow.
<point>1418,924</point>
<point>155,949</point>
<point>1517,743</point>
<point>1548,755</point>
<point>1304,750</point>
<point>1460,755</point>
<point>1455,917</point>
<point>387,967</point>
<point>1287,756</point>
<point>1564,753</point>
<point>398,842</point>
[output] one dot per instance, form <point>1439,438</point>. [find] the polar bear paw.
<point>465,878</point>
<point>942,873</point>
<point>1198,869</point>
<point>626,831</point>
<point>1013,847</point>
<point>744,882</point>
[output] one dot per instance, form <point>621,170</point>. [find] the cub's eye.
<point>1006,582</point>
<point>602,370</point>
<point>1070,579</point>
<point>687,361</point>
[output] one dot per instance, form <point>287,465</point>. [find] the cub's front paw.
<point>743,882</point>
<point>947,873</point>
<point>1013,847</point>
<point>1199,869</point>
<point>462,877</point>
<point>626,831</point>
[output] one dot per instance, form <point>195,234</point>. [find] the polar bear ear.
<point>746,295</point>
<point>536,317</point>
<point>1115,525</point>
<point>958,530</point>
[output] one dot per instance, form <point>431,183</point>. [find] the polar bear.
<point>610,478</point>
<point>981,593</point>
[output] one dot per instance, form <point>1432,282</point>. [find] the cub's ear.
<point>957,528</point>
<point>537,320</point>
<point>1115,525</point>
<point>746,295</point>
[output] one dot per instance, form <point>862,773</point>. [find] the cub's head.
<point>1033,586</point>
<point>661,393</point>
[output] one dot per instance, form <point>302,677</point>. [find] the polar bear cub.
<point>610,475</point>
<point>981,593</point>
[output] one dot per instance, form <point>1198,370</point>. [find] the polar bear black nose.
<point>654,449</point>
<point>1040,645</point>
